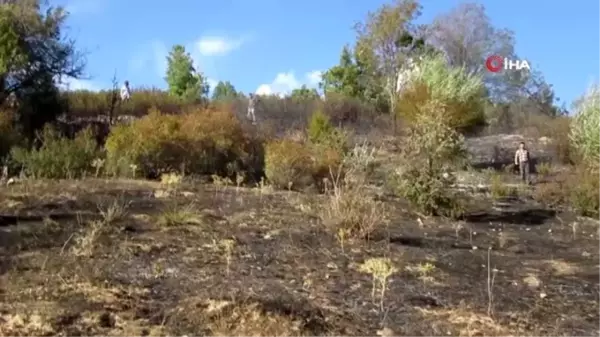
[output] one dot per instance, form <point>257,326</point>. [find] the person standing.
<point>522,157</point>
<point>125,92</point>
<point>251,106</point>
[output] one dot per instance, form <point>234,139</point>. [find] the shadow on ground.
<point>531,217</point>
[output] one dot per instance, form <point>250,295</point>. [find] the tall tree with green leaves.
<point>34,53</point>
<point>343,78</point>
<point>381,45</point>
<point>224,91</point>
<point>304,93</point>
<point>183,79</point>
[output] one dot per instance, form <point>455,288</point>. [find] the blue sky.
<point>278,45</point>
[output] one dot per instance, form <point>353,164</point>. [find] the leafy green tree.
<point>433,151</point>
<point>34,53</point>
<point>460,94</point>
<point>304,94</point>
<point>183,79</point>
<point>344,77</point>
<point>382,44</point>
<point>223,91</point>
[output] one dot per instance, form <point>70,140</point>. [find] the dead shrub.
<point>85,103</point>
<point>256,322</point>
<point>551,194</point>
<point>584,196</point>
<point>557,130</point>
<point>350,212</point>
<point>577,189</point>
<point>198,142</point>
<point>288,164</point>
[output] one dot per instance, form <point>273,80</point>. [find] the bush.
<point>322,132</point>
<point>584,132</point>
<point>433,151</point>
<point>9,136</point>
<point>458,92</point>
<point>584,194</point>
<point>557,129</point>
<point>350,213</point>
<point>85,103</point>
<point>198,142</point>
<point>551,194</point>
<point>58,157</point>
<point>498,187</point>
<point>288,164</point>
<point>327,161</point>
<point>295,164</point>
<point>578,190</point>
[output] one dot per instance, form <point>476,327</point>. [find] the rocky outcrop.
<point>497,151</point>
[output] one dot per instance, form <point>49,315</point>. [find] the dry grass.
<point>252,320</point>
<point>247,262</point>
<point>176,215</point>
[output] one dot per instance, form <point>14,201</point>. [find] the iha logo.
<point>497,63</point>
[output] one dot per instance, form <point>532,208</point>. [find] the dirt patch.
<point>254,262</point>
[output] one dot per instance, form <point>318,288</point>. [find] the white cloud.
<point>212,83</point>
<point>77,84</point>
<point>314,77</point>
<point>284,83</point>
<point>203,52</point>
<point>217,45</point>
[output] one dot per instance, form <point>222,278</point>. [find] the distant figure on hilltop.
<point>522,161</point>
<point>125,92</point>
<point>251,106</point>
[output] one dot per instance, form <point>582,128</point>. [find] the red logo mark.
<point>494,63</point>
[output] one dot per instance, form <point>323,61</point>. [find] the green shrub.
<point>198,142</point>
<point>584,129</point>
<point>498,187</point>
<point>322,132</point>
<point>319,128</point>
<point>457,92</point>
<point>58,157</point>
<point>433,151</point>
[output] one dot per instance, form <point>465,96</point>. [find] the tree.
<point>433,152</point>
<point>183,79</point>
<point>34,53</point>
<point>458,95</point>
<point>223,91</point>
<point>304,94</point>
<point>467,38</point>
<point>344,77</point>
<point>381,46</point>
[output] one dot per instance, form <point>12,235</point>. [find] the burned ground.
<point>123,257</point>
